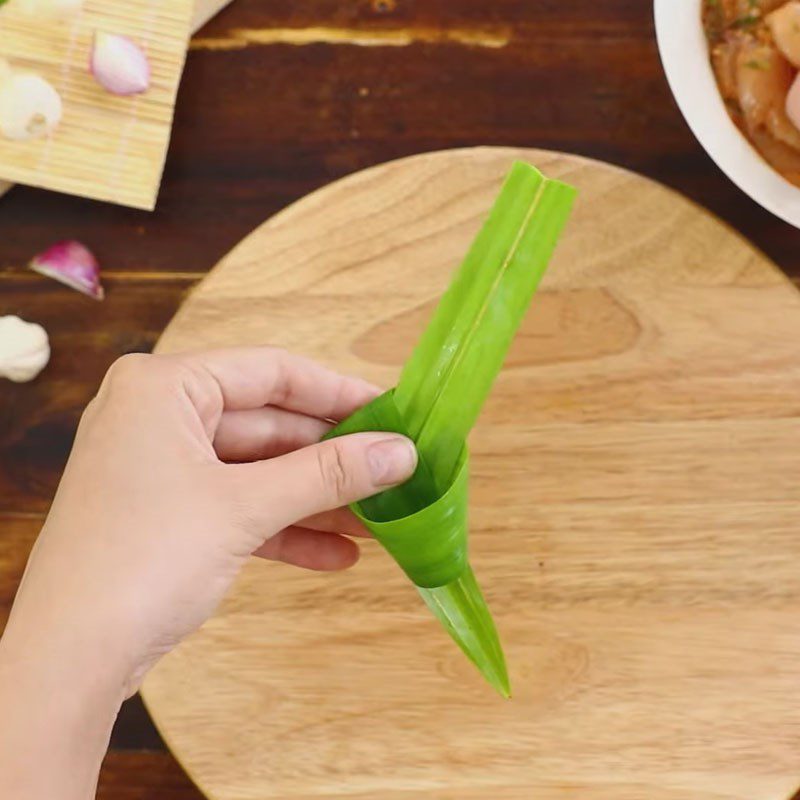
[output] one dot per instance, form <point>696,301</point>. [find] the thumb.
<point>326,476</point>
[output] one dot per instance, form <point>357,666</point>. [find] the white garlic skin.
<point>29,107</point>
<point>24,349</point>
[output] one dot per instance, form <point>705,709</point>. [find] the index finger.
<point>253,377</point>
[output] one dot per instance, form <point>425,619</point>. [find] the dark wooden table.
<point>259,124</point>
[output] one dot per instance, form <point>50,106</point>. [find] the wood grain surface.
<point>633,513</point>
<point>261,124</point>
<point>106,147</point>
<point>144,776</point>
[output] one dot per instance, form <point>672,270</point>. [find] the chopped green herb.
<point>756,65</point>
<point>753,4</point>
<point>747,21</point>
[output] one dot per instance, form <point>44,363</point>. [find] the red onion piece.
<point>72,264</point>
<point>119,65</point>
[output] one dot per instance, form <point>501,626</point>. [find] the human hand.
<point>152,521</point>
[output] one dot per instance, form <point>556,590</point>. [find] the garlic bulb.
<point>29,106</point>
<point>24,349</point>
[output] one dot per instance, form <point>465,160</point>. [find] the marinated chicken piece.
<point>727,16</point>
<point>723,59</point>
<point>763,78</point>
<point>793,103</point>
<point>782,157</point>
<point>730,9</point>
<point>785,26</point>
<point>717,15</point>
<point>736,10</point>
<point>759,6</point>
<point>782,128</point>
<point>755,54</point>
<point>765,6</point>
<point>743,13</point>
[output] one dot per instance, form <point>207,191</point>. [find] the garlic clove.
<point>72,264</point>
<point>24,349</point>
<point>119,64</point>
<point>793,102</point>
<point>29,106</point>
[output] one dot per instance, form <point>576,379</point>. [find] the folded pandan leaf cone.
<point>442,388</point>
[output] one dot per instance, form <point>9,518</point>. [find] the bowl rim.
<point>684,55</point>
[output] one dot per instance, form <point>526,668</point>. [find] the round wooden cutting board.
<point>635,507</point>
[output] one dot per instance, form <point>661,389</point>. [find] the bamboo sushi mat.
<point>106,147</point>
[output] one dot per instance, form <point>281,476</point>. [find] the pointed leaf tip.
<point>463,612</point>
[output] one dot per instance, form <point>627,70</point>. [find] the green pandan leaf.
<point>460,607</point>
<point>423,523</point>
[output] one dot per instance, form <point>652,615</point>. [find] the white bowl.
<point>684,54</point>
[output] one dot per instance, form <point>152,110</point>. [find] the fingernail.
<point>391,461</point>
